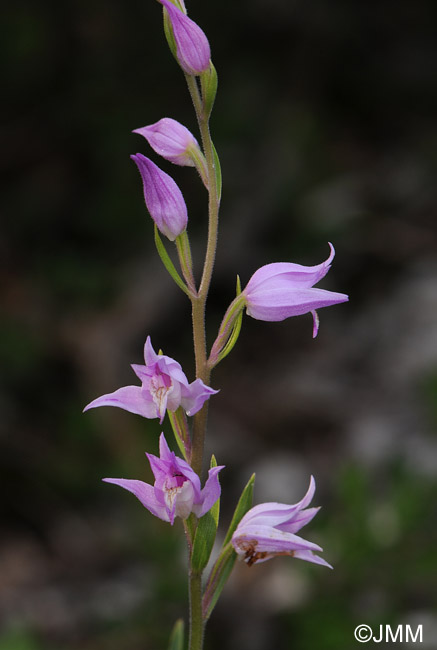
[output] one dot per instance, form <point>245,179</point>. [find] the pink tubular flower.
<point>164,386</point>
<point>171,140</point>
<point>269,529</point>
<point>163,198</point>
<point>278,291</point>
<point>176,492</point>
<point>192,47</point>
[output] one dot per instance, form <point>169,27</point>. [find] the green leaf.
<point>205,534</point>
<point>168,30</point>
<point>244,504</point>
<point>217,580</point>
<point>217,172</point>
<point>177,636</point>
<point>233,338</point>
<point>203,542</point>
<point>208,83</point>
<point>225,562</point>
<point>215,510</point>
<point>168,263</point>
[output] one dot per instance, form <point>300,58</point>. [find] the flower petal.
<point>210,493</point>
<point>270,540</point>
<point>195,395</point>
<point>310,557</point>
<point>275,514</point>
<point>144,493</point>
<point>278,304</point>
<point>129,398</point>
<point>287,275</point>
<point>299,520</point>
<point>150,356</point>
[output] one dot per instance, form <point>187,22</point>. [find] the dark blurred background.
<point>325,123</point>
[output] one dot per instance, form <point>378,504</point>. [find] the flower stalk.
<point>274,292</point>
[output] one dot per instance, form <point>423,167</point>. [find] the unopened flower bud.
<point>192,48</point>
<point>163,198</point>
<point>171,140</point>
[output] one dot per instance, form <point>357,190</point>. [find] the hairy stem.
<point>199,301</point>
<point>203,371</point>
<point>196,618</point>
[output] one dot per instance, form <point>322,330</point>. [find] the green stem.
<point>196,617</point>
<point>203,371</point>
<point>199,302</point>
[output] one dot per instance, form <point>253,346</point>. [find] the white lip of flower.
<point>181,498</point>
<point>159,392</point>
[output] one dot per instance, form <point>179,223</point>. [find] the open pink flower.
<point>176,492</point>
<point>283,289</point>
<point>270,529</point>
<point>164,386</point>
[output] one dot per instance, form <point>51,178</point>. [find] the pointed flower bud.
<point>270,529</point>
<point>163,198</point>
<point>171,140</point>
<point>192,47</point>
<point>164,387</point>
<point>176,492</point>
<point>281,290</point>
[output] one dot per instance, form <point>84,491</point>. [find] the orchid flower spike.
<point>176,492</point>
<point>164,387</point>
<point>163,198</point>
<point>172,141</point>
<point>270,529</point>
<point>280,290</point>
<point>192,47</point>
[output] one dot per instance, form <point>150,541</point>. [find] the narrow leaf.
<point>203,542</point>
<point>205,534</point>
<point>233,338</point>
<point>208,82</point>
<point>225,562</point>
<point>179,425</point>
<point>177,636</point>
<point>217,580</point>
<point>168,30</point>
<point>218,172</point>
<point>168,263</point>
<point>244,504</point>
<point>215,510</point>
